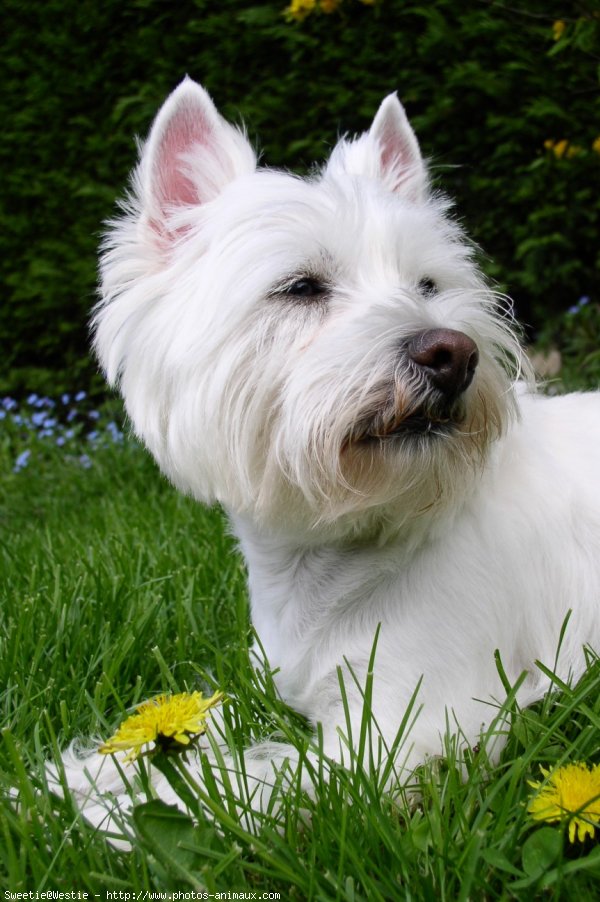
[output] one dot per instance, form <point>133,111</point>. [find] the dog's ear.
<point>400,159</point>
<point>388,152</point>
<point>192,153</point>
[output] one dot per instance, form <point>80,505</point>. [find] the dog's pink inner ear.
<point>188,132</point>
<point>395,150</point>
<point>400,157</point>
<point>173,183</point>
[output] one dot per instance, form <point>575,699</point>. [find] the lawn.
<point>116,588</point>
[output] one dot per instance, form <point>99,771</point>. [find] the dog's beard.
<point>401,411</point>
<point>392,450</point>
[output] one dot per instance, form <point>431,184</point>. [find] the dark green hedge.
<point>488,86</point>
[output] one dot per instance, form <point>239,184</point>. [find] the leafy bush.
<point>576,333</point>
<point>505,101</point>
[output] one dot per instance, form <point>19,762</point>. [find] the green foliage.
<point>486,84</point>
<point>576,333</point>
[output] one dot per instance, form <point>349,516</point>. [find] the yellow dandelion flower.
<point>570,793</point>
<point>549,144</point>
<point>596,145</point>
<point>165,720</point>
<point>560,148</point>
<point>299,9</point>
<point>558,29</point>
<point>329,6</point>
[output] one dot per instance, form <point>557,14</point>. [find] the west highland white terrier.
<point>322,357</point>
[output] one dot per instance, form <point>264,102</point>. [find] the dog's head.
<point>317,351</point>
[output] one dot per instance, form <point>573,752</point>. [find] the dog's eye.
<point>305,288</point>
<point>427,287</point>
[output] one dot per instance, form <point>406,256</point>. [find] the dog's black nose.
<point>449,358</point>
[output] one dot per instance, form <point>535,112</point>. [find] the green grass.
<point>114,588</point>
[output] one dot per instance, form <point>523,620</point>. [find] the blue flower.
<point>80,396</point>
<point>65,398</point>
<point>580,303</point>
<point>38,419</point>
<point>85,461</point>
<point>22,460</point>
<point>94,415</point>
<point>9,404</point>
<point>115,432</point>
<point>32,399</point>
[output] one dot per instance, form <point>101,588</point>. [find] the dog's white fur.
<point>259,326</point>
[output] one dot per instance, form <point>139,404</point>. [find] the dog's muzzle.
<point>443,363</point>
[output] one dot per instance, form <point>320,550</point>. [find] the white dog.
<point>322,357</point>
